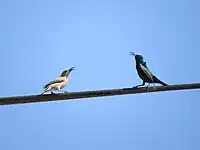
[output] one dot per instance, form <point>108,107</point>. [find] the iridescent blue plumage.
<point>144,72</point>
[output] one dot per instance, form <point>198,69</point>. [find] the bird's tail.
<point>156,80</point>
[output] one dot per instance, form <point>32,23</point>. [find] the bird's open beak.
<point>131,53</point>
<point>71,69</point>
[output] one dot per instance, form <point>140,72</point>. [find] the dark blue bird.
<point>144,72</point>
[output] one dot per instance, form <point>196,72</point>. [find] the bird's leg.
<point>143,83</point>
<point>148,86</point>
<point>154,86</point>
<point>65,92</point>
<point>62,90</point>
<point>52,92</point>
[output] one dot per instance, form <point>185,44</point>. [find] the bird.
<point>144,72</point>
<point>59,83</point>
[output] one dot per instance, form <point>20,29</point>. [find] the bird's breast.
<point>139,71</point>
<point>64,83</point>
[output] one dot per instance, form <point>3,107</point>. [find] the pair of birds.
<point>141,67</point>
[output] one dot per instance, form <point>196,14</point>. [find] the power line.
<point>90,94</point>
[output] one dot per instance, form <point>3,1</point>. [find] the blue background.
<point>40,38</point>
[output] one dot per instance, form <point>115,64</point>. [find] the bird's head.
<point>138,58</point>
<point>66,73</point>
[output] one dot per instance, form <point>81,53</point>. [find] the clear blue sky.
<point>40,38</point>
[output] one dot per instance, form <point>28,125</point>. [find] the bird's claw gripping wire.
<point>65,92</point>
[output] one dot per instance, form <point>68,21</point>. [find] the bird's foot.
<point>65,92</point>
<point>154,86</point>
<point>148,88</point>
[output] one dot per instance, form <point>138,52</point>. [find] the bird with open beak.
<point>59,83</point>
<point>144,72</point>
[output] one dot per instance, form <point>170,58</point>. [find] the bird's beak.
<point>131,53</point>
<point>71,69</point>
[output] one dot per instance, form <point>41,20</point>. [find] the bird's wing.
<point>57,80</point>
<point>146,70</point>
<point>144,64</point>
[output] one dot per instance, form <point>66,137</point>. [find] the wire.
<point>90,94</point>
